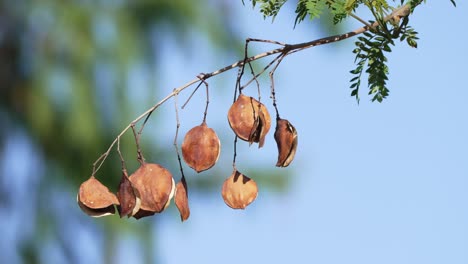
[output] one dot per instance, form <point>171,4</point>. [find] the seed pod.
<point>239,190</point>
<point>201,148</point>
<point>155,186</point>
<point>128,196</point>
<point>286,140</point>
<point>249,119</point>
<point>95,199</point>
<point>181,199</point>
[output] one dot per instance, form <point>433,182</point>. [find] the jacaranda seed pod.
<point>95,199</point>
<point>128,196</point>
<point>239,190</point>
<point>201,148</point>
<point>181,199</point>
<point>286,140</point>
<point>249,119</point>
<point>155,186</point>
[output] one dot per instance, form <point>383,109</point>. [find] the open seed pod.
<point>181,199</point>
<point>286,140</point>
<point>239,190</point>
<point>128,196</point>
<point>249,119</point>
<point>95,199</point>
<point>155,186</point>
<point>201,148</point>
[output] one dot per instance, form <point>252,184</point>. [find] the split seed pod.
<point>201,148</point>
<point>286,140</point>
<point>95,199</point>
<point>155,186</point>
<point>239,190</point>
<point>181,199</point>
<point>128,196</point>
<point>249,119</point>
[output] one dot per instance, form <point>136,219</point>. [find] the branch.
<point>286,49</point>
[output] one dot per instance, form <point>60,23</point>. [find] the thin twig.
<point>262,71</point>
<point>399,12</point>
<point>124,168</point>
<point>201,77</point>
<point>240,73</point>
<point>137,136</point>
<point>207,100</point>
<point>267,41</point>
<point>272,80</point>
<point>235,153</point>
<point>100,160</point>
<point>254,76</point>
<point>175,138</point>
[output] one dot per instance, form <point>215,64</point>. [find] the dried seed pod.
<point>128,196</point>
<point>181,199</point>
<point>249,119</point>
<point>201,148</point>
<point>95,199</point>
<point>286,140</point>
<point>155,186</point>
<point>239,190</point>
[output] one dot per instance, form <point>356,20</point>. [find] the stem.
<point>124,168</point>
<point>262,71</point>
<point>207,100</point>
<point>193,92</point>
<point>235,154</point>
<point>140,157</point>
<point>175,138</point>
<point>272,80</point>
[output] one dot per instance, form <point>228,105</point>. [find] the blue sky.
<point>372,183</point>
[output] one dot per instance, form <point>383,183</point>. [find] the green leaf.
<point>312,8</point>
<point>271,8</point>
<point>412,42</point>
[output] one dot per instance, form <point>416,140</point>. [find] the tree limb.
<point>286,49</point>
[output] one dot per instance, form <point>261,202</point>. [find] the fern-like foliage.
<point>370,59</point>
<point>410,35</point>
<point>311,8</point>
<point>269,8</point>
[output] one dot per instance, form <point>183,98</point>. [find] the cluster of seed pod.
<point>250,121</point>
<point>151,187</point>
<point>147,191</point>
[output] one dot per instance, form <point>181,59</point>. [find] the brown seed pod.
<point>249,119</point>
<point>181,199</point>
<point>201,148</point>
<point>286,140</point>
<point>239,190</point>
<point>155,186</point>
<point>95,199</point>
<point>128,196</point>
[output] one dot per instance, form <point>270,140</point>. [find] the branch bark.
<point>286,49</point>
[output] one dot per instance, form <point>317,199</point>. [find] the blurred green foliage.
<point>66,71</point>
